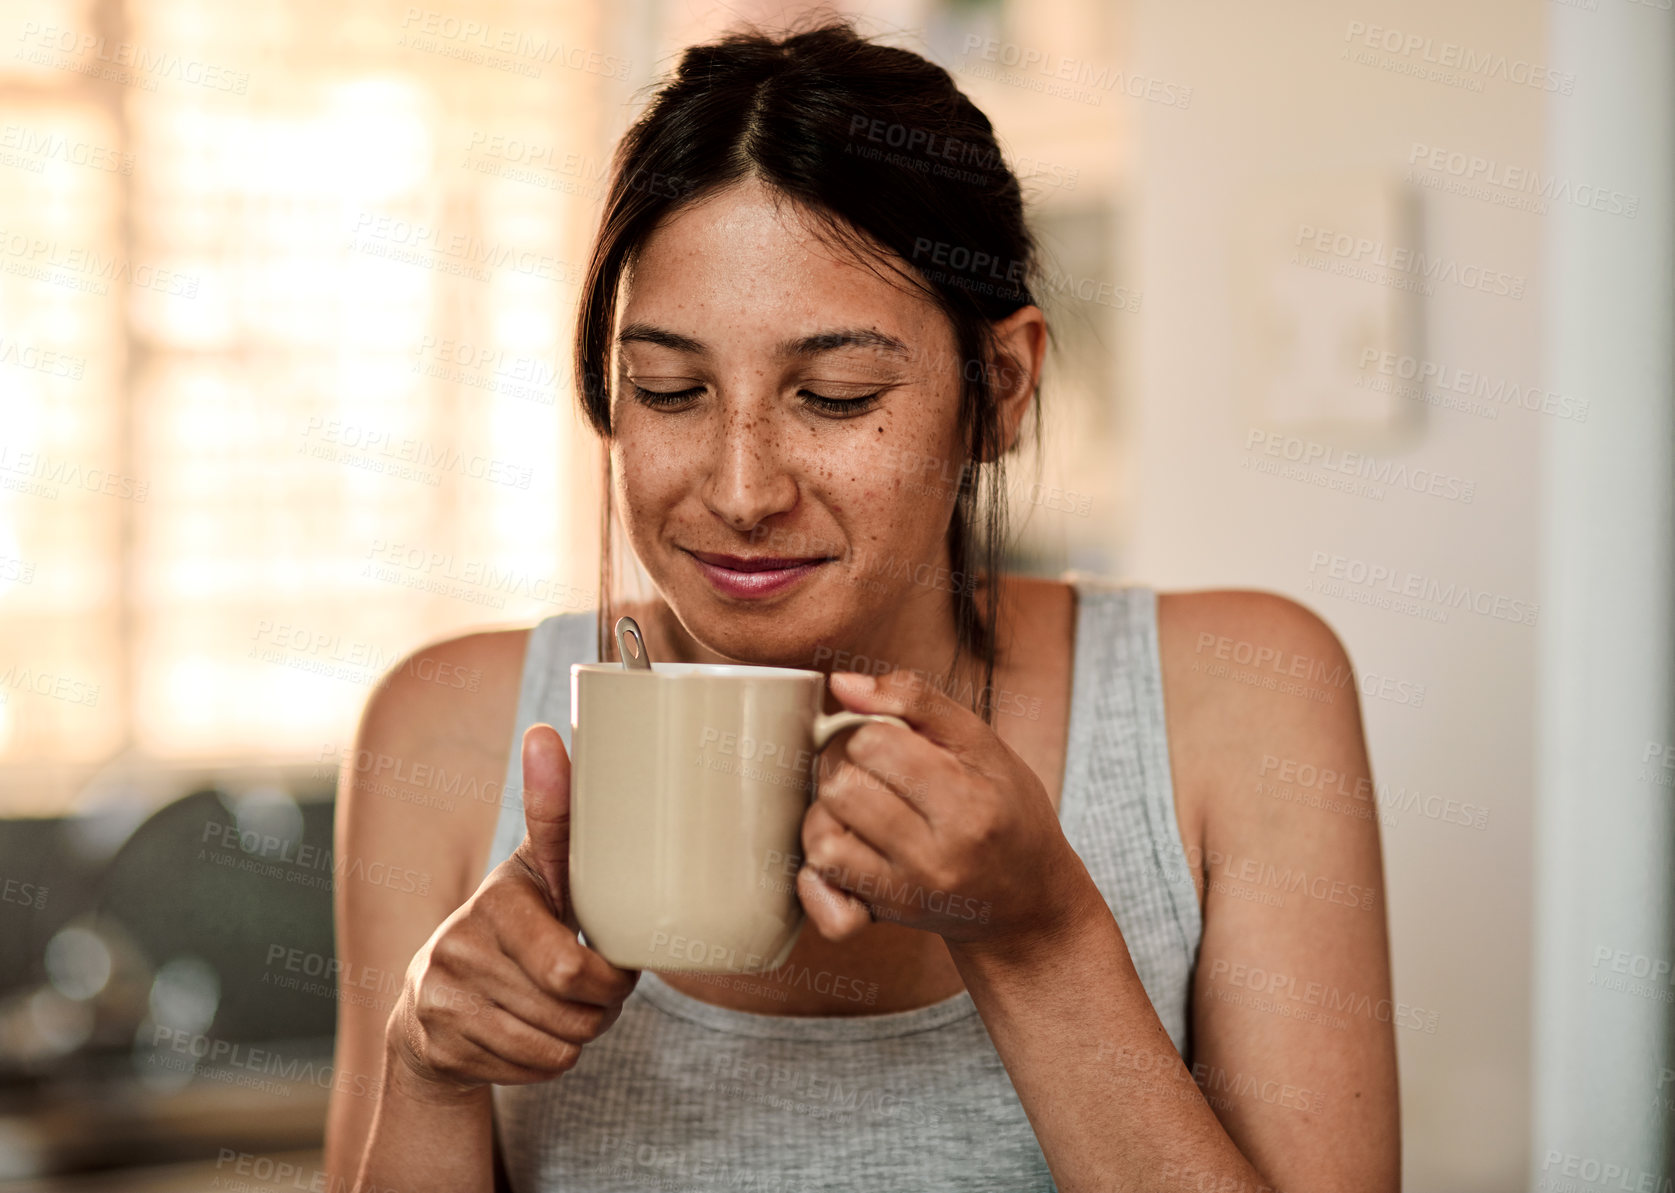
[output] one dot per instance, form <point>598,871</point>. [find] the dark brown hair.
<point>894,163</point>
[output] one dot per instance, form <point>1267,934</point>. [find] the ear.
<point>1020,348</point>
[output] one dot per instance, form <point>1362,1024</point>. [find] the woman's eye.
<point>830,405</point>
<point>671,397</point>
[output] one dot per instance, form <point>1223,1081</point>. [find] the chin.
<point>785,632</point>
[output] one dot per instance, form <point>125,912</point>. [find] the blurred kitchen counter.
<point>208,1135</point>
<point>291,1171</point>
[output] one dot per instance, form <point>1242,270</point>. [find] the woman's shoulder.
<point>1244,627</point>
<point>431,751</point>
<point>1246,676</point>
<point>464,685</point>
<point>1238,663</point>
<point>1238,625</point>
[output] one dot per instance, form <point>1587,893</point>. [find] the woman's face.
<point>777,404</point>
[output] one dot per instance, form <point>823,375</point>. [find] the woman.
<point>810,342</point>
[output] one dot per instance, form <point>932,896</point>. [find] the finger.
<point>834,914</point>
<point>561,1018</point>
<point>823,836</point>
<point>513,1042</point>
<point>844,861</point>
<point>476,1063</point>
<point>820,826</point>
<point>546,814</point>
<point>914,698</point>
<point>864,801</point>
<point>556,961</point>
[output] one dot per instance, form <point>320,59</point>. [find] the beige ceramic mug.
<point>688,785</point>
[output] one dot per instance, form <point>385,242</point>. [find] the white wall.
<point>1605,818</point>
<point>1275,98</point>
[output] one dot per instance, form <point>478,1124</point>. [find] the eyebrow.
<point>824,341</point>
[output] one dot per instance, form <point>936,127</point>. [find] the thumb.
<point>546,815</point>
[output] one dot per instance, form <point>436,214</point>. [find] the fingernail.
<point>855,681</point>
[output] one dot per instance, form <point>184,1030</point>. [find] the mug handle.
<point>829,725</point>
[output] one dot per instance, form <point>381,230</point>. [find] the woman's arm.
<point>500,992</point>
<point>1110,1101</point>
<point>404,796</point>
<point>1292,1024</point>
<point>423,1138</point>
<point>1293,1034</point>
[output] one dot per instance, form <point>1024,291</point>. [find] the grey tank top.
<point>682,1095</point>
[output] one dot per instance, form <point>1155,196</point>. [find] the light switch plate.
<point>1321,293</point>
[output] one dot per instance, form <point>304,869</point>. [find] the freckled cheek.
<point>651,482</point>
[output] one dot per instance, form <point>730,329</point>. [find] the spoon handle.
<point>631,645</point>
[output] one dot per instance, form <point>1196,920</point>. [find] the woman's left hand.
<point>942,827</point>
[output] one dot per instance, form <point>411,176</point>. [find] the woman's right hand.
<point>504,992</point>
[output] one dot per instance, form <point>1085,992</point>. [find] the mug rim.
<point>677,670</point>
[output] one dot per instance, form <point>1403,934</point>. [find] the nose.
<point>747,481</point>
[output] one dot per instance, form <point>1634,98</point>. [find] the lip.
<point>753,576</point>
